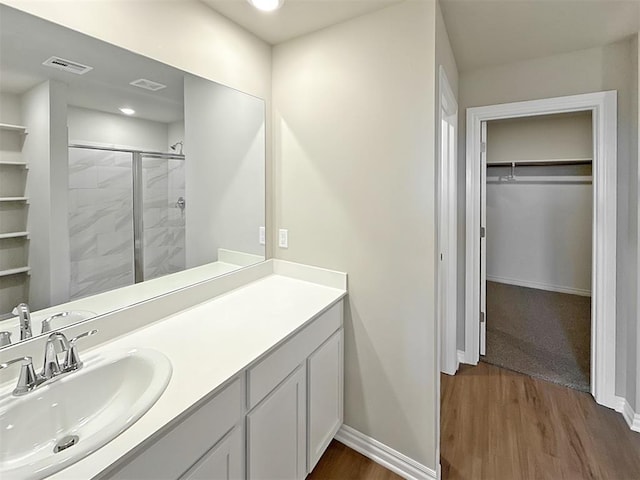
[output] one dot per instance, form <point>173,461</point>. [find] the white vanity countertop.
<point>207,345</point>
<point>125,296</point>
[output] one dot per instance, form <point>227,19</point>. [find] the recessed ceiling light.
<point>127,110</point>
<point>266,5</point>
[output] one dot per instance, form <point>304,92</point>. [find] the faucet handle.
<point>27,380</point>
<point>5,339</point>
<point>56,343</point>
<point>72,360</point>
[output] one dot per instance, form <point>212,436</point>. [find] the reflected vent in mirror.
<point>148,84</point>
<point>67,65</point>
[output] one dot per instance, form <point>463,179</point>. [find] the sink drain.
<point>66,442</point>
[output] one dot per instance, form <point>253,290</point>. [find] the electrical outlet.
<point>283,238</point>
<point>263,236</point>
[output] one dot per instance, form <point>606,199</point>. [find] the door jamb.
<point>447,266</point>
<point>603,106</point>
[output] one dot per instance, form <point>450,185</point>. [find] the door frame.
<point>447,227</point>
<point>603,107</point>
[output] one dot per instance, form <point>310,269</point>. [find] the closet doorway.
<point>538,198</point>
<point>601,108</point>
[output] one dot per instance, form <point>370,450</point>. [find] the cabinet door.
<point>222,462</point>
<point>276,432</point>
<point>324,377</point>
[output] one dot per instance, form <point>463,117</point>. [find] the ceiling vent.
<point>67,65</point>
<point>148,84</point>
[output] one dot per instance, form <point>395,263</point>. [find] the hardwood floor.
<point>341,463</point>
<point>500,425</point>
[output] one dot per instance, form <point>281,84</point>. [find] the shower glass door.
<point>162,209</point>
<point>100,221</point>
<point>126,217</point>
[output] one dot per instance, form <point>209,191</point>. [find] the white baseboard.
<point>540,286</point>
<point>632,418</point>
<point>384,455</point>
<point>460,358</point>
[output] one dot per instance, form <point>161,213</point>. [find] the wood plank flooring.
<point>339,462</point>
<point>500,425</point>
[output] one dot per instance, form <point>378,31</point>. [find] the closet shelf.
<point>578,179</point>
<point>14,199</point>
<point>14,271</point>
<point>543,163</point>
<point>14,235</point>
<point>13,128</point>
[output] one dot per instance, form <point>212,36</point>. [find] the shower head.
<point>174,147</point>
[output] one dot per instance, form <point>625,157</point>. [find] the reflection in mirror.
<point>116,169</point>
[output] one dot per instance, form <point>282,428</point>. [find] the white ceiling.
<point>26,41</point>
<point>296,17</point>
<point>482,32</point>
<point>494,32</point>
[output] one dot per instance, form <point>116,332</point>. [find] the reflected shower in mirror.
<point>116,169</point>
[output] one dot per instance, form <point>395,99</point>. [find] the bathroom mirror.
<point>121,178</point>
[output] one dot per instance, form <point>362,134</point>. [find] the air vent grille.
<point>67,65</point>
<point>148,84</point>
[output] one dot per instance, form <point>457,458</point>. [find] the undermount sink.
<point>78,413</point>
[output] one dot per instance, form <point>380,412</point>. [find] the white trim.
<point>384,455</point>
<point>540,286</point>
<point>632,418</point>
<point>447,311</point>
<point>603,106</point>
<point>460,358</point>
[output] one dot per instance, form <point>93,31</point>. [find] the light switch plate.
<point>283,238</point>
<point>263,236</point>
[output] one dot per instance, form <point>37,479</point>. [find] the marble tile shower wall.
<point>100,221</point>
<point>163,183</point>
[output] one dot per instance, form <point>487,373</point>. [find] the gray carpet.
<point>543,334</point>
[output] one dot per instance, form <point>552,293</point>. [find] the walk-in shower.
<point>126,217</point>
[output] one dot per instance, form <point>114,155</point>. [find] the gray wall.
<point>355,185</point>
<point>611,67</point>
<point>225,176</point>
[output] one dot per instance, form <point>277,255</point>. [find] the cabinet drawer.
<point>266,375</point>
<point>174,453</point>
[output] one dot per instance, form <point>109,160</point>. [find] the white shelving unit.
<point>14,271</point>
<point>14,235</point>
<point>14,199</point>
<point>13,169</point>
<point>14,164</point>
<point>8,127</point>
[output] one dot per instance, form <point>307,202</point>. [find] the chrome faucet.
<point>24,314</point>
<point>56,343</point>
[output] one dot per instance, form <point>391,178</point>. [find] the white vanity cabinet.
<point>273,422</point>
<point>224,461</point>
<point>325,391</point>
<point>295,399</point>
<point>208,440</point>
<point>276,432</point>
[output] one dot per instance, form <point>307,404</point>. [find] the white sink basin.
<point>97,403</point>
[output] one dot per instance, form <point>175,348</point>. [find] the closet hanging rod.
<point>542,163</point>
